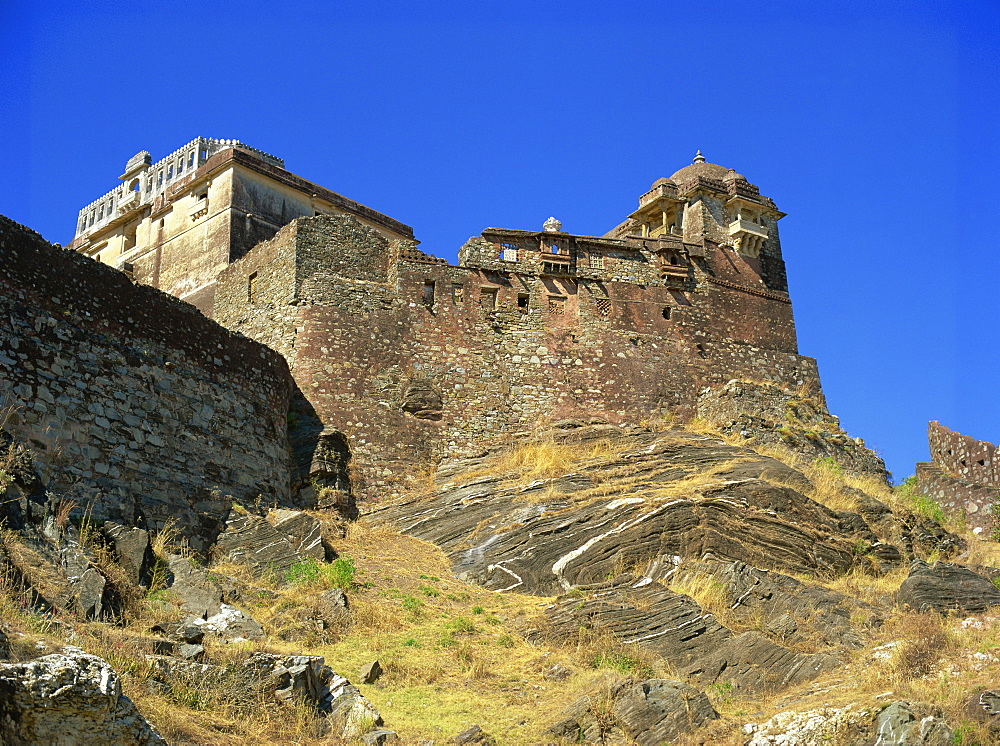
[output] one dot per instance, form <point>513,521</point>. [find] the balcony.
<point>127,203</point>
<point>747,228</point>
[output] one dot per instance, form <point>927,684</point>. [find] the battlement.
<point>143,180</point>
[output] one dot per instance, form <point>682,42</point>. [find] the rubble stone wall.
<point>133,402</point>
<point>413,359</point>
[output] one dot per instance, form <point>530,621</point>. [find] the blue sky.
<point>873,125</point>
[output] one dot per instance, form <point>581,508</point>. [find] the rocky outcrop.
<point>647,712</point>
<point>848,725</point>
<point>786,610</point>
<point>653,495</point>
<point>764,414</point>
<point>947,587</point>
<point>66,699</point>
<point>904,723</point>
<point>641,612</point>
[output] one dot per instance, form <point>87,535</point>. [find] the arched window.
<point>134,186</point>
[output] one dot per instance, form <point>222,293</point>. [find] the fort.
<point>400,358</point>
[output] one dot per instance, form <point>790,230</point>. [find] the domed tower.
<point>712,208</point>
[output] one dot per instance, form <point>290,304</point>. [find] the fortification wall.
<point>134,403</point>
<point>963,457</point>
<point>963,476</point>
<point>413,359</point>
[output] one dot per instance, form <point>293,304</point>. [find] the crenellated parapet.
<point>143,181</point>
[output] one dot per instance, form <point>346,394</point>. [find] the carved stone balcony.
<point>746,227</point>
<point>130,201</point>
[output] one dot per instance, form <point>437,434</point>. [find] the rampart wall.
<point>412,358</point>
<point>963,476</point>
<point>134,404</point>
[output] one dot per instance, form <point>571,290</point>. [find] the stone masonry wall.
<point>963,476</point>
<point>133,403</point>
<point>413,359</point>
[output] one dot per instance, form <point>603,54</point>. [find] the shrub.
<point>338,574</point>
<point>919,503</point>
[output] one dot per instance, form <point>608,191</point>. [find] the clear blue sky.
<point>873,125</point>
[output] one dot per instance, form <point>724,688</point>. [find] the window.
<point>180,166</point>
<point>555,268</point>
<point>134,186</point>
<point>427,296</point>
<point>204,154</point>
<point>666,312</point>
<point>191,160</point>
<point>596,261</point>
<point>159,178</point>
<point>508,252</point>
<point>557,305</point>
<point>100,213</point>
<point>555,248</point>
<point>604,306</point>
<point>488,298</point>
<point>252,287</point>
<point>457,292</point>
<point>170,173</point>
<point>522,302</point>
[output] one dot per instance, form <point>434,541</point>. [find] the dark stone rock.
<point>190,652</point>
<point>905,723</point>
<point>379,737</point>
<point>250,540</point>
<point>89,589</point>
<point>199,596</point>
<point>644,613</point>
<point>370,673</point>
<point>133,550</point>
<point>657,711</point>
<point>557,672</point>
<point>984,707</point>
<point>302,531</point>
<point>422,400</point>
<point>475,735</point>
<point>4,645</point>
<point>946,587</point>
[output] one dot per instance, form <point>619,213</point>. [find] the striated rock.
<point>904,723</point>
<point>655,495</point>
<point>785,609</point>
<point>656,711</point>
<point>199,596</point>
<point>66,699</point>
<point>332,608</point>
<point>647,712</point>
<point>233,624</point>
<point>984,707</point>
<point>250,540</point>
<point>906,535</point>
<point>643,613</point>
<point>946,587</point>
<point>474,735</point>
<point>133,550</point>
<point>302,531</point>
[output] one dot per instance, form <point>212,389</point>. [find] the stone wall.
<point>134,404</point>
<point>412,359</point>
<point>963,476</point>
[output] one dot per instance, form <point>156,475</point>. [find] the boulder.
<point>647,712</point>
<point>250,540</point>
<point>68,698</point>
<point>370,673</point>
<point>133,550</point>
<point>4,645</point>
<point>303,531</point>
<point>828,725</point>
<point>904,723</point>
<point>657,711</point>
<point>474,735</point>
<point>332,608</point>
<point>984,707</point>
<point>232,624</point>
<point>379,737</point>
<point>946,587</point>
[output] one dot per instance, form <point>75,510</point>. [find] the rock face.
<point>767,414</point>
<point>643,613</point>
<point>66,699</point>
<point>947,587</point>
<point>904,723</point>
<point>656,495</point>
<point>649,712</point>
